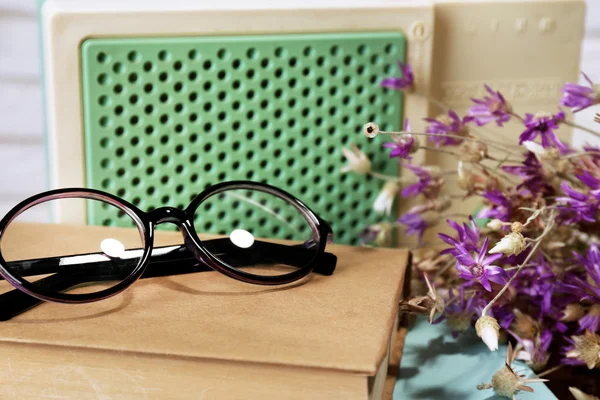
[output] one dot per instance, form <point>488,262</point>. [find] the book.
<point>437,366</point>
<point>207,336</point>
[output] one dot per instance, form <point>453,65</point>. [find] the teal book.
<point>436,366</point>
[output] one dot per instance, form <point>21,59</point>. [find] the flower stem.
<point>504,159</point>
<point>470,139</point>
<point>520,267</point>
<point>462,215</point>
<point>495,171</point>
<point>387,177</point>
<point>582,154</point>
<point>438,150</point>
<point>497,167</point>
<point>445,106</point>
<point>517,116</point>
<point>583,128</point>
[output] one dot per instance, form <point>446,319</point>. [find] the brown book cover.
<point>207,336</point>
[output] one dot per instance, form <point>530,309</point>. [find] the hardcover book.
<point>206,336</point>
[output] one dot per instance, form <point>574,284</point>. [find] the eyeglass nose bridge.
<point>167,214</point>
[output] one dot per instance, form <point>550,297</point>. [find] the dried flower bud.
<point>516,227</point>
<point>579,395</point>
<point>430,304</point>
<point>562,166</point>
<point>433,170</point>
<point>506,382</point>
<point>466,180</point>
<point>423,305</point>
<point>384,236</point>
<point>551,154</point>
<point>416,144</point>
<point>594,311</point>
<point>385,199</point>
<point>541,152</point>
<point>371,130</point>
<point>473,152</point>
<point>511,244</point>
<point>460,322</point>
<point>573,312</point>
<point>378,234</point>
<point>495,224</point>
<point>586,349</point>
<point>488,330</point>
<point>442,204</point>
<point>357,161</point>
<point>524,326</point>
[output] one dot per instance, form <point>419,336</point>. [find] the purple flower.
<point>539,283</point>
<point>491,108</point>
<point>468,236</point>
<point>543,126</point>
<point>428,182</point>
<point>404,145</point>
<point>515,259</point>
<point>578,96</point>
<point>592,149</point>
<point>499,208</point>
<point>578,206</point>
<point>532,173</point>
<point>586,286</point>
<point>504,315</point>
<point>459,312</point>
<point>446,125</point>
<point>479,269</point>
<point>535,352</point>
<point>415,224</point>
<point>589,180</point>
<point>405,82</point>
<point>591,321</point>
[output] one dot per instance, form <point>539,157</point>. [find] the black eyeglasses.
<point>61,267</point>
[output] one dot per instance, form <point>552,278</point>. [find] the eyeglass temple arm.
<point>67,274</point>
<point>260,253</point>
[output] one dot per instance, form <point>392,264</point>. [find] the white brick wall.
<point>22,168</point>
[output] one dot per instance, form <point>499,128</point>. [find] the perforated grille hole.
<point>165,118</point>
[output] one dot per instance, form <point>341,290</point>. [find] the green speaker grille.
<point>166,117</point>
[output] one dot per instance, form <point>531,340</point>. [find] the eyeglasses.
<point>275,239</point>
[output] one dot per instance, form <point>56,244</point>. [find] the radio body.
<point>155,100</point>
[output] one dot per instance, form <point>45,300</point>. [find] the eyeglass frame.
<point>146,223</point>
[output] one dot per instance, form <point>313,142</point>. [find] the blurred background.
<point>23,171</point>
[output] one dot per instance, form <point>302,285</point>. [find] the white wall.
<point>22,170</point>
<point>22,164</point>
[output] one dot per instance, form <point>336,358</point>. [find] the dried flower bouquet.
<point>528,262</point>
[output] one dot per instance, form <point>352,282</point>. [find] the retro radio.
<point>155,100</point>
